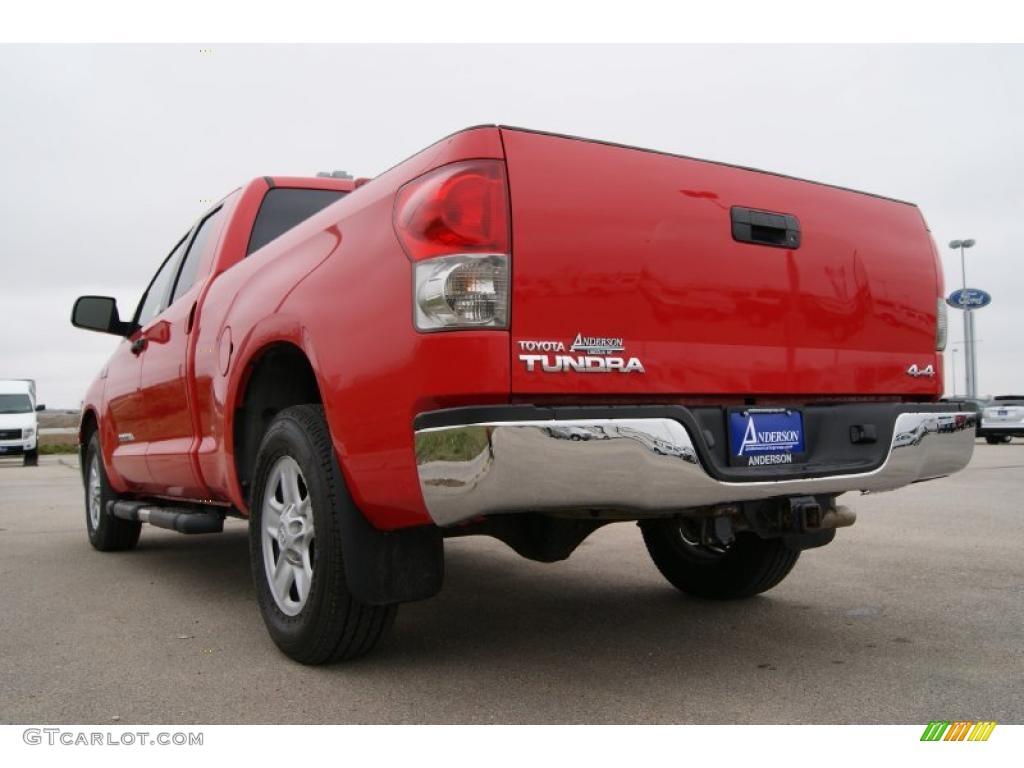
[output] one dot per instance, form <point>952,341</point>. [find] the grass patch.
<point>59,448</point>
<point>460,445</point>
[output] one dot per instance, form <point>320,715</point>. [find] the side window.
<point>283,208</point>
<point>154,300</point>
<point>208,230</point>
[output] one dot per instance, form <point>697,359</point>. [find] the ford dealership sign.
<point>969,298</point>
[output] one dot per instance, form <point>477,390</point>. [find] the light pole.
<point>970,367</point>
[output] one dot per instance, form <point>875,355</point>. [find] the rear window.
<point>283,208</point>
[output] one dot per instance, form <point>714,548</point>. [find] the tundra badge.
<point>596,360</point>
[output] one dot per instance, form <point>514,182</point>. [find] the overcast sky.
<point>109,152</point>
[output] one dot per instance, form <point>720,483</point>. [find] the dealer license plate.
<point>765,437</point>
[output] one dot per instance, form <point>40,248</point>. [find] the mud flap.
<point>383,567</point>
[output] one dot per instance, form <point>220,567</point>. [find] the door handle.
<point>780,230</point>
<point>138,345</point>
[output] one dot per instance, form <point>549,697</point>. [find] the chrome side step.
<point>180,519</point>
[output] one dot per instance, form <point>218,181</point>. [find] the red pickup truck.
<point>526,336</point>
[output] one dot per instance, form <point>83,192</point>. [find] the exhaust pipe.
<point>838,517</point>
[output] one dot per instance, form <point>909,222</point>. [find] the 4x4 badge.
<point>916,372</point>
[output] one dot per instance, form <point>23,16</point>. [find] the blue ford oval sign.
<point>969,298</point>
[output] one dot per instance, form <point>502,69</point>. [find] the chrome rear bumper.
<point>646,467</point>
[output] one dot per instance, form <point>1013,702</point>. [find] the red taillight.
<point>457,208</point>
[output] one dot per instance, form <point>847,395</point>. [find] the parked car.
<point>1002,419</point>
<point>526,336</point>
<point>19,425</point>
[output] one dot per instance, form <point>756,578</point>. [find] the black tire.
<point>106,532</point>
<point>997,439</point>
<point>31,458</point>
<point>747,567</point>
<point>331,624</point>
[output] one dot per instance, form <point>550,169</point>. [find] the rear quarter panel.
<point>339,287</point>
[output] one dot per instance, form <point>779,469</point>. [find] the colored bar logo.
<point>958,730</point>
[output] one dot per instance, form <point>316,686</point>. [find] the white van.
<point>19,427</point>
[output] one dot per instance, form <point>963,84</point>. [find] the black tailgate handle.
<point>780,230</point>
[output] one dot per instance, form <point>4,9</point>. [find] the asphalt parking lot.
<point>914,614</point>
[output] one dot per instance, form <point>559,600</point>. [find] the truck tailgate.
<point>620,247</point>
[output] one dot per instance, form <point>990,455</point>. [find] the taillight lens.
<point>457,208</point>
<point>941,325</point>
<point>462,291</point>
<point>453,222</point>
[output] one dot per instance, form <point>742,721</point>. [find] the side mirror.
<point>99,313</point>
<point>40,407</point>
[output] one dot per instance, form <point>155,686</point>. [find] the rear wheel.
<point>746,567</point>
<point>297,501</point>
<point>106,532</point>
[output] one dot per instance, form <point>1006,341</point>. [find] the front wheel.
<point>31,458</point>
<point>298,498</point>
<point>106,532</point>
<point>746,567</point>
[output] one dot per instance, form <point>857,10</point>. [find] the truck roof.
<point>18,386</point>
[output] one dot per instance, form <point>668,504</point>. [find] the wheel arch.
<point>279,373</point>
<point>88,424</point>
